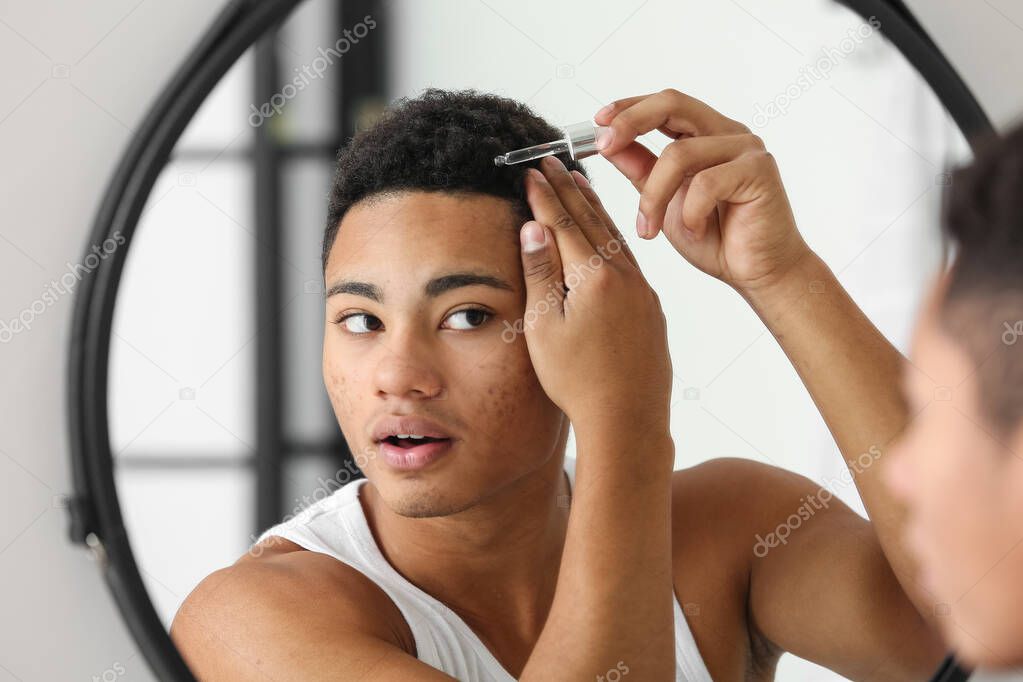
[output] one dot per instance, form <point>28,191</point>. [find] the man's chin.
<point>420,499</point>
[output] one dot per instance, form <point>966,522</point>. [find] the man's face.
<point>444,353</point>
<point>963,487</point>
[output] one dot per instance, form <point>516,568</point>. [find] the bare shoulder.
<point>736,495</point>
<point>276,603</point>
<point>725,507</point>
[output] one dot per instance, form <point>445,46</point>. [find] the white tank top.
<point>336,526</point>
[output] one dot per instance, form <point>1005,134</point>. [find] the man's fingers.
<point>598,206</point>
<point>635,162</point>
<point>541,266</point>
<point>548,210</point>
<point>578,206</point>
<point>732,182</point>
<point>668,109</point>
<point>682,158</point>
<point>607,114</point>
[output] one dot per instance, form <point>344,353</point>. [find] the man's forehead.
<point>427,208</point>
<point>423,233</point>
<point>422,267</point>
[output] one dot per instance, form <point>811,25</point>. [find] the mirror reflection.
<point>261,369</point>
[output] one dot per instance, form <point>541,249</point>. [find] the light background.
<point>859,154</point>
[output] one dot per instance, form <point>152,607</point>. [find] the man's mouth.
<point>409,441</point>
<point>408,452</point>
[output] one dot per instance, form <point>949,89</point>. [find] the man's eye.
<point>360,323</point>
<point>470,318</point>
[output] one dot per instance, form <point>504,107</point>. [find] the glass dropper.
<point>579,141</point>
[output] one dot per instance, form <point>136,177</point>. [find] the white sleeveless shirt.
<point>337,526</point>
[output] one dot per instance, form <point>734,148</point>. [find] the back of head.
<point>440,141</point>
<point>982,307</point>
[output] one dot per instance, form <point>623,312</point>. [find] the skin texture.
<point>963,482</point>
<point>559,595</point>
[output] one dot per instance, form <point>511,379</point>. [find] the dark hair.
<point>983,300</point>
<point>441,141</point>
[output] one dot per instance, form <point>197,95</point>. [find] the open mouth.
<point>407,442</point>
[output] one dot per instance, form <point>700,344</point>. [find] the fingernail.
<point>532,237</point>
<point>535,174</point>
<point>606,109</point>
<point>604,138</point>
<point>580,179</point>
<point>642,226</point>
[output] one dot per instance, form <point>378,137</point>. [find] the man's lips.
<point>417,455</point>
<point>412,442</point>
<point>399,428</point>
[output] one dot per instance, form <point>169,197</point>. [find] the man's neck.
<point>497,560</point>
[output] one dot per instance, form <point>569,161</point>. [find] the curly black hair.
<point>440,141</point>
<point>982,307</point>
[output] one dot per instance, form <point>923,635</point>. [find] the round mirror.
<point>219,422</point>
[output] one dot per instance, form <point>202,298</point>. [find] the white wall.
<point>77,77</point>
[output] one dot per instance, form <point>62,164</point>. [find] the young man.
<point>959,464</point>
<point>459,556</point>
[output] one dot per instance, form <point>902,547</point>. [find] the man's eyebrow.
<point>453,280</point>
<point>435,287</point>
<point>347,286</point>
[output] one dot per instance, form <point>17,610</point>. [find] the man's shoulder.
<point>713,508</point>
<point>722,505</point>
<point>730,493</point>
<point>278,582</point>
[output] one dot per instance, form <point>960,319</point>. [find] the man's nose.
<point>407,371</point>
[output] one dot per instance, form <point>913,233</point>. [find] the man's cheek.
<point>497,383</point>
<point>519,363</point>
<point>339,394</point>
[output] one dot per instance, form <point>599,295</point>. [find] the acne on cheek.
<point>518,387</point>
<point>501,401</point>
<point>337,391</point>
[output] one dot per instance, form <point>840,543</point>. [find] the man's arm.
<point>852,373</point>
<point>837,564</point>
<point>717,195</point>
<point>600,352</point>
<point>810,575</point>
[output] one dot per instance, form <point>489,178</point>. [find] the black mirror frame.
<point>93,507</point>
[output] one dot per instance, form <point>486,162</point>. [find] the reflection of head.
<point>442,141</point>
<point>983,304</point>
<point>958,465</point>
<point>424,276</point>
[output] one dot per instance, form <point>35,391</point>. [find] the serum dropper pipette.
<point>579,141</point>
